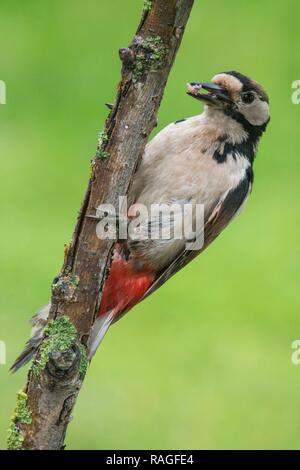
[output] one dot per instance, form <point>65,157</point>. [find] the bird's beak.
<point>215,95</point>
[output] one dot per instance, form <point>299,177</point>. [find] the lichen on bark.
<point>65,286</point>
<point>147,5</point>
<point>60,335</point>
<point>150,55</point>
<point>102,141</point>
<point>22,415</point>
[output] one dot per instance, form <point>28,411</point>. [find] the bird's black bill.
<point>215,93</point>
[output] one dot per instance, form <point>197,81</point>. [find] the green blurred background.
<point>206,361</point>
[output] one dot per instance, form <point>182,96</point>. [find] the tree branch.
<point>56,375</point>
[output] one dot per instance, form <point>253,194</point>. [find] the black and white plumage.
<point>206,159</point>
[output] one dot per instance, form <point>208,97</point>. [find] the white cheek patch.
<point>256,113</point>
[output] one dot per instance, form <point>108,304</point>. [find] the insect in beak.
<point>215,93</point>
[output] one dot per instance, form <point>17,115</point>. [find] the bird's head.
<point>236,95</point>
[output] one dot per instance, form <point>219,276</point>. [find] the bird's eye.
<point>248,97</point>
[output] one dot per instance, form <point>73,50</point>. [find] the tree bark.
<point>76,292</point>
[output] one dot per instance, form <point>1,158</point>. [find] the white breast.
<point>178,164</point>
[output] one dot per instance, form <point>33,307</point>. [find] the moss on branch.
<point>102,141</point>
<point>150,55</point>
<point>147,5</point>
<point>60,335</point>
<point>22,415</point>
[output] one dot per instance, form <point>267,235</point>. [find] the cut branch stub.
<point>145,54</point>
<point>127,56</point>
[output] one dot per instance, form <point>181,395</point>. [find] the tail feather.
<point>123,288</point>
<point>24,357</point>
<point>39,321</point>
<point>98,332</point>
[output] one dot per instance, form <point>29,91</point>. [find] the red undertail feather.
<point>124,287</point>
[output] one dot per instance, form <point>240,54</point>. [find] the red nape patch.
<point>124,286</point>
